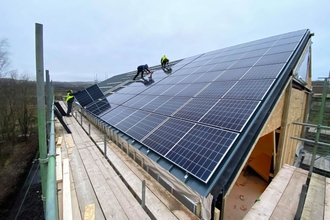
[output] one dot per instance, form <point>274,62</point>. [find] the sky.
<point>86,40</point>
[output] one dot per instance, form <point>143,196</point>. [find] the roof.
<point>200,122</point>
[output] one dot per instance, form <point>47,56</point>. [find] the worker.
<point>69,100</point>
<point>142,69</point>
<point>164,61</point>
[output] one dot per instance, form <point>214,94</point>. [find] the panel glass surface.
<point>169,107</point>
<point>195,109</point>
<point>95,92</point>
<point>216,90</point>
<point>201,150</point>
<point>250,89</point>
<point>230,114</point>
<point>145,126</point>
<point>98,107</point>
<point>167,135</point>
<point>262,72</point>
<point>83,98</point>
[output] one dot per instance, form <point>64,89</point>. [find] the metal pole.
<point>48,102</point>
<point>81,119</point>
<point>41,108</point>
<point>89,129</point>
<point>318,129</point>
<point>51,199</point>
<point>105,146</point>
<point>143,202</point>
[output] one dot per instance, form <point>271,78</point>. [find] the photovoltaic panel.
<point>248,62</point>
<point>216,89</point>
<point>274,58</point>
<point>232,74</point>
<point>230,114</point>
<point>118,98</point>
<point>175,89</point>
<point>222,66</point>
<point>250,89</point>
<point>117,115</point>
<point>262,72</point>
<point>131,120</point>
<point>169,107</point>
<point>145,126</point>
<point>139,101</point>
<point>201,150</point>
<point>282,48</point>
<point>192,89</point>
<point>208,76</point>
<point>98,107</point>
<point>165,137</point>
<point>255,53</point>
<point>83,98</point>
<point>155,103</point>
<point>95,92</point>
<point>195,109</point>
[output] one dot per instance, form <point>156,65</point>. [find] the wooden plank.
<point>60,200</point>
<point>67,207</point>
<point>59,176</point>
<point>175,206</point>
<point>155,205</point>
<point>327,199</point>
<point>110,207</point>
<point>74,200</point>
<point>288,204</point>
<point>314,203</point>
<point>269,199</point>
<point>84,189</point>
<point>69,141</point>
<point>59,141</point>
<point>216,214</point>
<point>126,199</point>
<point>89,213</point>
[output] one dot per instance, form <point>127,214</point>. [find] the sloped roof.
<point>200,122</point>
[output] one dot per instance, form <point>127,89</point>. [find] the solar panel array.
<point>93,100</point>
<point>193,116</point>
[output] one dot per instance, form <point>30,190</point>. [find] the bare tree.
<point>4,57</point>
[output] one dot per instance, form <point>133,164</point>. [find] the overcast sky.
<point>85,40</point>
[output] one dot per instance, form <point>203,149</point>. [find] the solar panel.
<point>83,98</point>
<point>98,107</point>
<point>145,126</point>
<point>201,150</point>
<point>164,137</point>
<point>89,95</point>
<point>249,89</point>
<point>95,92</point>
<point>230,114</point>
<point>192,111</point>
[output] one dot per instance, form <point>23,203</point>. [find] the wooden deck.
<point>280,199</point>
<point>92,187</point>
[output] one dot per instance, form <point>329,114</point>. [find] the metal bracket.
<point>43,160</point>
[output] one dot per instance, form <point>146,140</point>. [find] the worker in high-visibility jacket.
<point>164,61</point>
<point>69,100</point>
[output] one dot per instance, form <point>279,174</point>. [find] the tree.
<point>4,59</point>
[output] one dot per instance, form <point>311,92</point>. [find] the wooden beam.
<point>67,207</point>
<point>314,203</point>
<point>59,174</point>
<point>216,215</point>
<point>59,141</point>
<point>327,199</point>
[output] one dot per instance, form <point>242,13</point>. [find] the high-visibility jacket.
<point>164,58</point>
<point>69,97</point>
